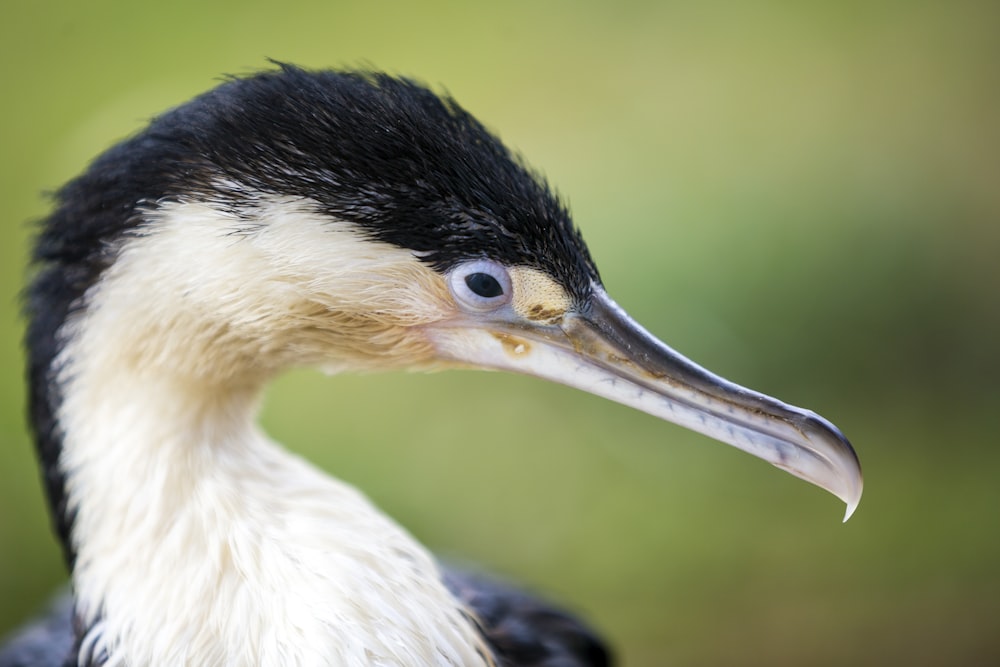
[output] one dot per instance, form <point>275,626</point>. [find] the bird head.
<point>361,222</point>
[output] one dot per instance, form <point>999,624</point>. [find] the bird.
<point>348,220</point>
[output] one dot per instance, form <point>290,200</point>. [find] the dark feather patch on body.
<point>524,631</point>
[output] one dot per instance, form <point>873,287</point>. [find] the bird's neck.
<point>200,541</point>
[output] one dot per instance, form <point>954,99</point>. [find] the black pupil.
<point>484,285</point>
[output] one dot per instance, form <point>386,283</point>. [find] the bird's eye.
<point>484,285</point>
<point>481,285</point>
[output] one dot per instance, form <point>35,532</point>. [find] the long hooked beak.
<point>603,351</point>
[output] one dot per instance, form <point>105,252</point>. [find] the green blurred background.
<point>804,197</point>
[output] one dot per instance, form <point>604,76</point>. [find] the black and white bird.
<point>344,220</point>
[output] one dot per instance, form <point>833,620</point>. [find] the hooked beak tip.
<point>851,506</point>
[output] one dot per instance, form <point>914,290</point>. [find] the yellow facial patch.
<point>537,297</point>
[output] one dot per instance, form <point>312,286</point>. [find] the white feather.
<point>199,541</point>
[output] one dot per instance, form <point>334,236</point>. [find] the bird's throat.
<point>200,541</point>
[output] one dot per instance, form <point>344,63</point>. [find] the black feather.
<point>523,630</point>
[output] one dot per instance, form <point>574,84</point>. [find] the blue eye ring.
<point>480,285</point>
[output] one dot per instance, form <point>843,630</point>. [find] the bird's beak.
<point>600,349</point>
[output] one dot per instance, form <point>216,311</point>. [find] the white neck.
<point>201,542</point>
